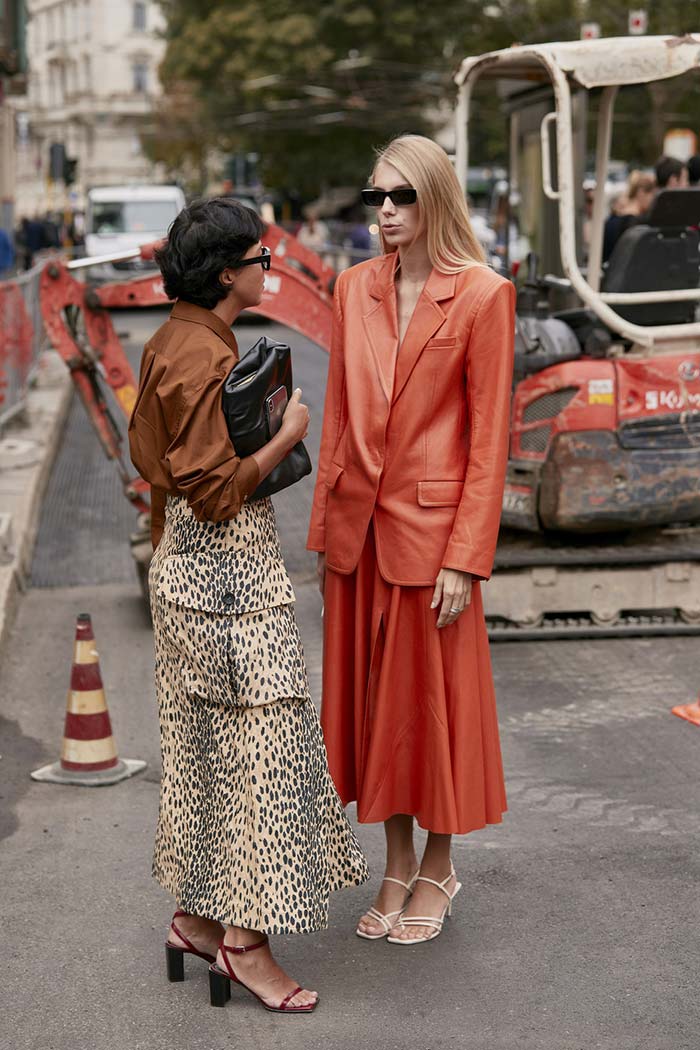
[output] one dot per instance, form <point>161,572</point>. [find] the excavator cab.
<point>603,484</point>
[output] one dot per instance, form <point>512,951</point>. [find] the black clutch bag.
<point>255,395</point>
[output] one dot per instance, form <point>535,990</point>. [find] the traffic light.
<point>57,160</point>
<point>69,169</point>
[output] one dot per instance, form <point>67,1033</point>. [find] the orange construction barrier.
<point>89,754</point>
<point>690,712</point>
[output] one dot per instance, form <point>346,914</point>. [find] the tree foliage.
<point>313,88</point>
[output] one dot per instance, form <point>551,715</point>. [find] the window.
<point>139,15</point>
<point>139,70</point>
<point>110,217</point>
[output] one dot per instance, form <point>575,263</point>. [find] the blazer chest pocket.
<point>439,493</point>
<point>441,343</point>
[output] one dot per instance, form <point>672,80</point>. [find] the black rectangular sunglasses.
<point>401,197</point>
<point>264,259</point>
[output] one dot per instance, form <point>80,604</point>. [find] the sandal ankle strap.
<point>178,932</point>
<point>399,882</point>
<point>241,949</point>
<point>237,949</point>
<point>440,885</point>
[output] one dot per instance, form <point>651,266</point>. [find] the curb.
<point>22,485</point>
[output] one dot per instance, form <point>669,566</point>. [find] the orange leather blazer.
<point>417,437</point>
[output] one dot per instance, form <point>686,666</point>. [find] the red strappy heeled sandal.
<point>175,953</point>
<point>220,983</point>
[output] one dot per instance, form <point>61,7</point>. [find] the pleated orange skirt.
<point>409,711</point>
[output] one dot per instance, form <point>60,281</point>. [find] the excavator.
<point>601,516</point>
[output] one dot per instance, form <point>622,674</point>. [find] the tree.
<point>313,88</point>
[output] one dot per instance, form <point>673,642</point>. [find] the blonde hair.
<point>639,182</point>
<point>452,243</point>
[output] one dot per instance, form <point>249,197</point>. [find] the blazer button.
<point>228,598</point>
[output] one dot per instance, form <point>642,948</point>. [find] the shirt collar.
<point>199,315</point>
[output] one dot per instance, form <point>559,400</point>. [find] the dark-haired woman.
<point>252,837</point>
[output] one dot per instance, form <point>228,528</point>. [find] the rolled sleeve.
<point>202,460</point>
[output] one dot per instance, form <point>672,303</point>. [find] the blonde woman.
<point>635,202</point>
<point>405,520</point>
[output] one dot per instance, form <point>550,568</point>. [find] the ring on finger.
<point>453,611</point>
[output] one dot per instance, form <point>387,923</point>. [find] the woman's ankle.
<point>239,936</point>
<point>401,866</point>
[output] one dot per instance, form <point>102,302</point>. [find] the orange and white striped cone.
<point>690,712</point>
<point>89,754</point>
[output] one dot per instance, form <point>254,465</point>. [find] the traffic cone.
<point>89,754</point>
<point>690,712</point>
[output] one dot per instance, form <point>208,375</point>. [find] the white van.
<point>119,218</point>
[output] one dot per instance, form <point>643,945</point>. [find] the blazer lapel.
<point>427,318</point>
<point>381,324</point>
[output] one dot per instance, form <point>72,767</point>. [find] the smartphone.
<point>275,406</point>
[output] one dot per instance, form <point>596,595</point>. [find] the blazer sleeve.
<point>489,370</point>
<point>332,425</point>
<point>202,460</point>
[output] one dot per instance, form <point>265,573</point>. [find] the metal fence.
<point>22,339</point>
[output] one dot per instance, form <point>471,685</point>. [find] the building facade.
<point>92,83</point>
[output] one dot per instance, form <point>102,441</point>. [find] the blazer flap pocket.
<point>440,493</point>
<point>441,343</point>
<point>334,472</point>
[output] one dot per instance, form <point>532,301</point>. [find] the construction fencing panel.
<point>22,339</point>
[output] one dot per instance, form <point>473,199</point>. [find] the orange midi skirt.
<point>408,711</point>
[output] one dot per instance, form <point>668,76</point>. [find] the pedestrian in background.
<point>252,837</point>
<point>313,233</point>
<point>693,167</point>
<point>638,199</point>
<point>405,519</point>
<point>671,174</point>
<point>7,253</point>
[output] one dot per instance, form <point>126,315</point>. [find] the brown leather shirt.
<point>177,432</point>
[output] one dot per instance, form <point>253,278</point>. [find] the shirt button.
<point>228,598</point>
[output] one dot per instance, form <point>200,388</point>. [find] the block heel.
<point>175,953</point>
<point>174,963</point>
<point>219,988</point>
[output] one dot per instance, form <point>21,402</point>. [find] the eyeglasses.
<point>400,197</point>
<point>264,259</point>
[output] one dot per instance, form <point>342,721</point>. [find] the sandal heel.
<point>174,963</point>
<point>219,988</point>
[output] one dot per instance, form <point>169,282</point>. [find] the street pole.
<point>7,163</point>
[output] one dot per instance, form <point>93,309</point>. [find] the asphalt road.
<point>577,927</point>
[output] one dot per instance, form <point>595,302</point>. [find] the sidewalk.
<point>28,447</point>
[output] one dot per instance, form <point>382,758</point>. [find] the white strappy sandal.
<point>387,921</point>
<point>428,920</point>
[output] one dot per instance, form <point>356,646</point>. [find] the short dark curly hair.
<point>205,238</point>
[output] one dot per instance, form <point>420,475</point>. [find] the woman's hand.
<point>454,590</point>
<point>295,421</point>
<point>321,572</point>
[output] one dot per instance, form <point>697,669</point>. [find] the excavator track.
<point>627,585</point>
<point>556,628</point>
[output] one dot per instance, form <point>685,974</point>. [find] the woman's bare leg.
<point>429,900</point>
<point>205,934</point>
<point>401,864</point>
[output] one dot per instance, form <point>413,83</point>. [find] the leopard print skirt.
<point>251,830</point>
